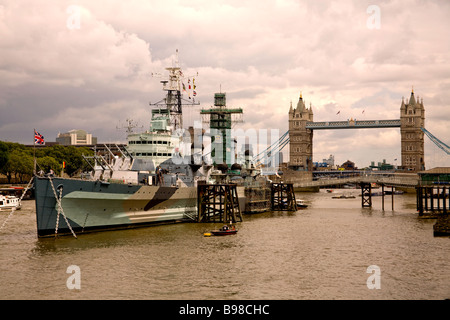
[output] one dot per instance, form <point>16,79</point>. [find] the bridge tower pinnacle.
<point>412,118</point>
<point>301,138</point>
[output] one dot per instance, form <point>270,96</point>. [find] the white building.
<point>76,137</point>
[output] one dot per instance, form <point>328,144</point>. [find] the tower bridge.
<point>411,122</point>
<point>299,137</point>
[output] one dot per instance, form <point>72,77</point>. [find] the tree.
<point>20,163</point>
<point>46,163</point>
<point>4,156</point>
<point>72,156</point>
<point>17,160</point>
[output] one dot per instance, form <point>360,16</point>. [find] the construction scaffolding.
<point>221,119</point>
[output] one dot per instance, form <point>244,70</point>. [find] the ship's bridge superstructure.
<point>164,138</point>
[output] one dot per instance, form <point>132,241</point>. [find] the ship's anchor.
<point>60,209</point>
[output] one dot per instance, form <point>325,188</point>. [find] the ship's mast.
<point>174,98</point>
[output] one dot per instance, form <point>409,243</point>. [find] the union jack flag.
<point>38,138</point>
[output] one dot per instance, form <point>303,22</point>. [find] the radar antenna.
<point>130,125</point>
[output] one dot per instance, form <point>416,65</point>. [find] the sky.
<point>88,65</point>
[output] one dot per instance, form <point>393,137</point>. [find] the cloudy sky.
<point>87,65</point>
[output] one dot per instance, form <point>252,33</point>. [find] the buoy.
<point>207,234</point>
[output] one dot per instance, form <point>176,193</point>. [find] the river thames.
<point>334,249</point>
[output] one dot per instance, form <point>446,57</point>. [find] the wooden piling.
<point>392,190</point>
<point>432,199</point>
<point>444,195</point>
<point>419,200</point>
<point>218,203</point>
<point>366,195</point>
<point>283,197</point>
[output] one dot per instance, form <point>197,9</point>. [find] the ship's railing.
<point>191,215</point>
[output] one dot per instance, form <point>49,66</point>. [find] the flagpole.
<point>34,152</point>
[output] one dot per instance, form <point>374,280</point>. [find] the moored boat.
<point>153,180</point>
<point>97,205</point>
<point>150,182</point>
<point>9,202</point>
<point>301,204</point>
<point>344,197</point>
<point>224,231</point>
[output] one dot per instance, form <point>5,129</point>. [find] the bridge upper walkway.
<point>354,124</point>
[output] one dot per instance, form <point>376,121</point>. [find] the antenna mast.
<point>131,124</point>
<point>174,98</point>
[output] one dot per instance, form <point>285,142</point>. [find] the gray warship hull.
<point>95,205</point>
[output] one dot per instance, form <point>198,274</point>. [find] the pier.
<point>283,197</point>
<point>257,197</point>
<point>434,202</point>
<point>433,199</point>
<point>365,180</point>
<point>406,180</point>
<point>366,195</point>
<point>218,203</point>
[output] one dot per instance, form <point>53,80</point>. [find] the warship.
<point>155,178</point>
<point>152,182</point>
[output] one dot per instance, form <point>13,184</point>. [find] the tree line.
<point>17,160</point>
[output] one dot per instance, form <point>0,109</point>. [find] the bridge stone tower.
<point>300,145</point>
<point>412,118</point>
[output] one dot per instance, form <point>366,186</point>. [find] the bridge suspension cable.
<point>272,149</point>
<point>436,141</point>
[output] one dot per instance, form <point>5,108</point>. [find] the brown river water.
<point>327,251</point>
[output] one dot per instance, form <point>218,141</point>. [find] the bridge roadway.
<point>389,179</point>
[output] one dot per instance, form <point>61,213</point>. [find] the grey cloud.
<point>263,53</point>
